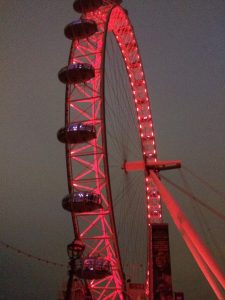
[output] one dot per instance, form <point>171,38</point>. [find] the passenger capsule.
<point>76,73</point>
<point>82,202</point>
<point>92,268</point>
<point>83,6</point>
<point>76,133</point>
<point>80,29</point>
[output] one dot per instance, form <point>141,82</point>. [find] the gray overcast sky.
<point>182,46</point>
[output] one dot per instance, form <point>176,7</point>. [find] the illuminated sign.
<point>162,280</point>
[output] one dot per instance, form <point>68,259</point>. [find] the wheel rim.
<point>87,163</point>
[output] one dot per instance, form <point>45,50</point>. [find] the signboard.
<point>162,280</point>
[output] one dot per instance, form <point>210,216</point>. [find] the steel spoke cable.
<point>119,196</point>
<point>215,244</point>
<point>127,91</point>
<point>203,181</point>
<point>129,146</point>
<point>211,209</point>
<point>119,127</point>
<point>129,109</point>
<point>136,232</point>
<point>118,68</point>
<point>134,206</point>
<point>120,86</point>
<point>195,207</point>
<point>119,225</point>
<point>109,111</point>
<point>205,228</point>
<point>124,176</point>
<point>116,97</point>
<point>140,219</point>
<point>115,129</point>
<point>128,206</point>
<point>114,80</point>
<point>131,205</point>
<point>125,111</point>
<point>115,141</point>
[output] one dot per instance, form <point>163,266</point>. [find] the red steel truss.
<point>87,162</point>
<point>87,165</point>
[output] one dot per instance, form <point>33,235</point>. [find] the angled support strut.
<point>189,234</point>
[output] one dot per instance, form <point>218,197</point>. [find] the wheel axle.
<point>149,165</point>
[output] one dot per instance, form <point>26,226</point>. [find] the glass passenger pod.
<point>77,133</point>
<point>92,268</point>
<point>76,73</point>
<point>84,6</point>
<point>80,29</point>
<point>82,202</point>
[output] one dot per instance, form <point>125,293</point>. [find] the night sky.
<point>182,46</point>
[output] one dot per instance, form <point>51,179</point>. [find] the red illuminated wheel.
<point>108,128</point>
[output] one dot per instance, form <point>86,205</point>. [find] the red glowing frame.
<point>87,165</point>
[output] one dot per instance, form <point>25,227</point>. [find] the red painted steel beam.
<point>129,166</point>
<point>184,226</point>
<point>133,166</point>
<point>161,165</point>
<point>202,265</point>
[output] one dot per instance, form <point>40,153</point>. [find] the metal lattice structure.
<point>87,165</point>
<point>95,258</point>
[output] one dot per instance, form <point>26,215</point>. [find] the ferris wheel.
<point>111,155</point>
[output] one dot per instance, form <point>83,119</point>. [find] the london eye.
<point>103,148</point>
